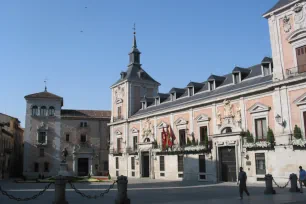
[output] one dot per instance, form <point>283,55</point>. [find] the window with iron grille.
<point>83,138</point>
<point>203,134</point>
<point>43,111</point>
<point>133,163</point>
<point>180,163</point>
<point>135,143</point>
<point>182,134</point>
<point>202,166</point>
<point>117,163</point>
<point>41,152</point>
<point>162,163</point>
<point>260,163</point>
<point>36,167</point>
<point>67,137</point>
<point>42,137</point>
<point>46,167</point>
<point>119,144</point>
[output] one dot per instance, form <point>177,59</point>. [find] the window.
<point>260,163</point>
<point>105,165</point>
<point>41,152</point>
<point>202,167</point>
<point>180,163</point>
<point>236,78</point>
<point>34,110</point>
<point>43,111</point>
<point>83,124</point>
<point>117,162</point>
<point>203,134</point>
<point>149,92</point>
<point>119,144</point>
<point>182,134</point>
<point>119,112</point>
<point>190,91</point>
<point>42,137</point>
<point>83,138</point>
<point>226,130</point>
<point>173,97</point>
<point>266,71</point>
<point>211,85</point>
<point>133,163</point>
<point>36,167</point>
<point>67,137</point>
<point>51,111</point>
<point>162,163</point>
<point>46,167</point>
<point>135,143</point>
<point>261,128</point>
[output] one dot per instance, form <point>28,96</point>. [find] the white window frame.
<point>37,136</point>
<point>295,45</point>
<point>259,116</point>
<point>233,75</point>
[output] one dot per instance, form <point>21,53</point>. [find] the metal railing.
<point>118,118</point>
<point>131,149</point>
<point>296,70</point>
<point>116,151</point>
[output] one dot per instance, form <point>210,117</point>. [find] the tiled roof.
<point>44,94</point>
<point>94,114</point>
<point>252,79</point>
<point>279,4</point>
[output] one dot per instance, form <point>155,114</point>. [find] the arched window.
<point>43,111</point>
<point>34,110</point>
<point>226,130</point>
<point>51,111</point>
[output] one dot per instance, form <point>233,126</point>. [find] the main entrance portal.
<point>145,165</point>
<point>83,166</point>
<point>228,164</point>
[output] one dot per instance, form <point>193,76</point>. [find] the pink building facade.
<point>253,117</point>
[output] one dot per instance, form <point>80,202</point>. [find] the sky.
<point>81,46</point>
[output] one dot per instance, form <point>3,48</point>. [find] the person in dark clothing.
<point>242,183</point>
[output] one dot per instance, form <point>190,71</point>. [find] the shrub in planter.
<point>206,141</point>
<point>249,137</point>
<point>188,142</point>
<point>270,136</point>
<point>297,133</point>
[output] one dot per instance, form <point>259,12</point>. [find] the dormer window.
<point>267,66</point>
<point>122,74</point>
<point>173,96</point>
<point>211,85</point>
<point>266,69</point>
<point>236,77</point>
<point>157,101</point>
<point>190,91</point>
<point>143,105</point>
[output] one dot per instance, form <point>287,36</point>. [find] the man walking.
<point>242,183</point>
<point>302,178</point>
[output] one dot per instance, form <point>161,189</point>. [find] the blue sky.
<point>180,41</point>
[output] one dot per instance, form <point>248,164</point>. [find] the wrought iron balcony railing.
<point>296,70</point>
<point>118,118</point>
<point>130,150</point>
<point>115,151</point>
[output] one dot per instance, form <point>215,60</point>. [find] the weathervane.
<point>134,28</point>
<point>45,81</point>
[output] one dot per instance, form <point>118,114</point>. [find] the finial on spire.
<point>134,42</point>
<point>45,81</point>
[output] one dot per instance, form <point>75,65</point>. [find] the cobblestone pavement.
<point>148,191</point>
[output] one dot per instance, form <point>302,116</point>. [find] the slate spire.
<point>134,54</point>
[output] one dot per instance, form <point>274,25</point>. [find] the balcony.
<point>116,151</point>
<point>131,150</point>
<point>41,142</point>
<point>118,118</point>
<point>294,71</point>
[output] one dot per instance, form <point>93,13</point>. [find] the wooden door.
<point>228,164</point>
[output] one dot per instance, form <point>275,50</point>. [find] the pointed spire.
<point>134,42</point>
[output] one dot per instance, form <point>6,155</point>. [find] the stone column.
<point>60,190</point>
<point>122,197</point>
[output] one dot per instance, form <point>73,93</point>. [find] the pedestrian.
<point>302,179</point>
<point>242,183</point>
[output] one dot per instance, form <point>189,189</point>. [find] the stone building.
<point>254,117</point>
<point>11,147</point>
<point>49,130</point>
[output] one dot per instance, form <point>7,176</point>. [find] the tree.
<point>270,136</point>
<point>249,137</point>
<point>297,132</point>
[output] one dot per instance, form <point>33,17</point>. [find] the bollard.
<point>60,188</point>
<point>269,186</point>
<point>294,185</point>
<point>122,191</point>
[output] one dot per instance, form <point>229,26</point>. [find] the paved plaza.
<point>148,191</point>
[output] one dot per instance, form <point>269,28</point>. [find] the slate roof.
<point>242,70</point>
<point>253,79</point>
<point>267,60</point>
<point>132,75</point>
<point>279,4</point>
<point>215,77</point>
<point>84,114</point>
<point>195,84</point>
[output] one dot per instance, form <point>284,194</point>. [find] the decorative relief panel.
<point>298,13</point>
<point>230,117</point>
<point>286,24</point>
<point>148,132</point>
<point>119,94</point>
